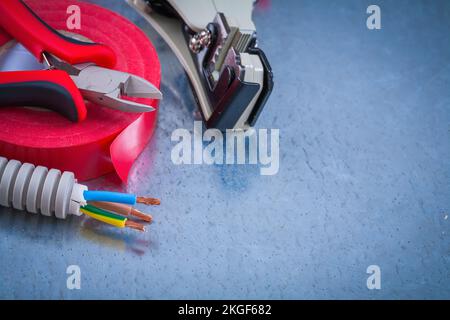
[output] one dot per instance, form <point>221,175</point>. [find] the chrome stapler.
<point>215,41</point>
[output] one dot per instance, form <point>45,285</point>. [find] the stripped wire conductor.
<point>148,201</point>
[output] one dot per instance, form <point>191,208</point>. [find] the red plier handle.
<point>51,89</point>
<point>38,37</point>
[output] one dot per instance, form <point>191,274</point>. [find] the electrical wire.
<point>123,209</point>
<point>51,192</point>
<point>118,197</point>
<point>104,213</point>
<point>110,218</point>
<point>110,196</point>
<point>115,220</point>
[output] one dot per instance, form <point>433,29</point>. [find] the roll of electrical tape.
<point>107,140</point>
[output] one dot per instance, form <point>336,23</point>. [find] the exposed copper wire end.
<point>148,201</point>
<point>134,225</point>
<point>138,214</point>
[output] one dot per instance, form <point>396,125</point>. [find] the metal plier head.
<point>106,86</point>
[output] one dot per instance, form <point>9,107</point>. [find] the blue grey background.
<point>364,176</point>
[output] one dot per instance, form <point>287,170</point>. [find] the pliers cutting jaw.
<point>106,86</point>
<point>85,65</point>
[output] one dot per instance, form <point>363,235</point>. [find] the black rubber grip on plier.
<point>53,90</point>
<point>39,94</point>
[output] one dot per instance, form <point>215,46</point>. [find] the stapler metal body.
<point>215,41</point>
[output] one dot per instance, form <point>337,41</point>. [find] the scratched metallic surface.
<point>364,176</point>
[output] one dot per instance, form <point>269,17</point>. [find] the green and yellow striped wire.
<point>104,216</point>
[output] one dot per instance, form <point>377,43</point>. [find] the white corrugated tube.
<point>38,189</point>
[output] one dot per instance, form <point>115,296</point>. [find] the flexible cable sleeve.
<point>38,189</point>
<point>110,196</point>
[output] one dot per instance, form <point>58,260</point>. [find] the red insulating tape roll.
<point>107,140</point>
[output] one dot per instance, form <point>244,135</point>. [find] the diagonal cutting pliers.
<point>77,70</point>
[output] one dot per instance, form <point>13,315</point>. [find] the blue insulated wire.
<point>109,196</point>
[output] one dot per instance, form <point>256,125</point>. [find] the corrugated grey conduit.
<point>37,189</point>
